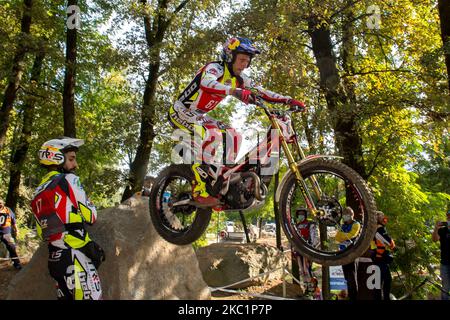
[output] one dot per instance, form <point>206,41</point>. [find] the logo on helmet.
<point>234,43</point>
<point>50,154</point>
<point>52,151</point>
<point>237,45</point>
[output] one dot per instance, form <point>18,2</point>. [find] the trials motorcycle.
<point>321,184</point>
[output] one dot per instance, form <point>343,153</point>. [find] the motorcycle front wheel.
<point>327,239</point>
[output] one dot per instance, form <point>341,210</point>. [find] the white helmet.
<point>52,151</point>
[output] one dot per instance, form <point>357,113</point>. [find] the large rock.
<point>139,263</point>
<point>223,264</point>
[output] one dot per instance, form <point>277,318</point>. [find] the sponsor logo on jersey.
<point>213,72</point>
<point>188,91</point>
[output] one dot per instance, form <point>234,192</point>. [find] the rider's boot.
<point>200,193</point>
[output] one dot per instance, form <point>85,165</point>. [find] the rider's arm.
<point>13,217</point>
<point>13,222</point>
<point>271,96</point>
<point>339,237</point>
<point>265,94</point>
<point>85,208</point>
<point>209,83</point>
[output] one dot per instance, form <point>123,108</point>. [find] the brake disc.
<point>330,211</point>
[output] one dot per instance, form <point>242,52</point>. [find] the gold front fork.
<point>293,166</point>
<point>315,184</point>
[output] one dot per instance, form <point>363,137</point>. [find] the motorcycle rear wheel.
<point>180,225</point>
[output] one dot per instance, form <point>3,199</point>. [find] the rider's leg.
<point>204,152</point>
<point>204,173</point>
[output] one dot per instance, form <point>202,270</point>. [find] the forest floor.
<point>7,272</point>
<point>270,288</point>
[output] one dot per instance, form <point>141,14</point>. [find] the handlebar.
<point>258,101</point>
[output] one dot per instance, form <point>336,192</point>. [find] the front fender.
<point>300,163</point>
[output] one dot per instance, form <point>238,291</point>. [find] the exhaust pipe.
<point>258,195</point>
<point>239,176</point>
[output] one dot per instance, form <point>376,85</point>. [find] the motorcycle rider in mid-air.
<point>212,83</point>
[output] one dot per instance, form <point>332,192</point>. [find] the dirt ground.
<point>272,287</point>
<point>7,271</point>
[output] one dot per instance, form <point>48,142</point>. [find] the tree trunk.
<point>17,71</point>
<point>69,78</point>
<point>325,269</point>
<point>444,16</point>
<point>339,101</point>
<point>154,36</point>
<point>139,166</point>
<point>244,224</point>
<point>326,292</point>
<point>19,156</point>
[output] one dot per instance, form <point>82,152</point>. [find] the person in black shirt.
<point>442,233</point>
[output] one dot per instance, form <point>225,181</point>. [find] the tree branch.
<point>343,9</point>
<point>147,24</point>
<point>28,92</point>
<point>51,87</point>
<point>360,17</point>
<point>163,71</point>
<point>380,151</point>
<point>176,11</point>
<point>180,6</point>
<point>376,71</point>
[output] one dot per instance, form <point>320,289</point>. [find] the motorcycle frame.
<point>292,163</point>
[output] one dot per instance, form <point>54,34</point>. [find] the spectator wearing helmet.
<point>212,83</point>
<point>8,231</point>
<point>441,233</point>
<point>382,246</point>
<point>345,237</point>
<point>61,209</point>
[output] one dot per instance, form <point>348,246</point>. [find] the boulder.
<point>139,263</point>
<point>223,264</point>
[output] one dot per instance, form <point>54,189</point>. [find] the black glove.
<point>93,251</point>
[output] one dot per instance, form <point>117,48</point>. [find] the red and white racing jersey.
<point>61,207</point>
<point>213,82</point>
